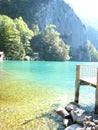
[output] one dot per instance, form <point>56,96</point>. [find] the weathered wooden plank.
<point>77,72</point>
<point>87,82</point>
<point>77,87</point>
<point>77,84</point>
<point>96,96</point>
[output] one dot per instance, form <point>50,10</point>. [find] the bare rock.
<point>78,115</point>
<point>71,106</point>
<point>73,127</point>
<point>67,122</point>
<point>62,112</point>
<point>95,121</point>
<point>88,125</point>
<point>88,128</point>
<point>73,113</point>
<point>96,127</point>
<point>88,118</point>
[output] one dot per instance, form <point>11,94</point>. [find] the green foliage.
<point>10,39</point>
<point>14,41</point>
<point>25,34</point>
<point>25,8</point>
<point>92,52</point>
<point>50,46</point>
<point>35,29</point>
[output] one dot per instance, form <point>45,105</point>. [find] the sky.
<point>86,9</point>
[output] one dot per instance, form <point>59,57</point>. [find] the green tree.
<point>50,46</point>
<point>10,41</point>
<point>92,52</point>
<point>35,29</point>
<point>25,34</point>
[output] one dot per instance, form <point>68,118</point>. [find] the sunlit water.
<point>30,91</point>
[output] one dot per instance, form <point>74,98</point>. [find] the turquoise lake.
<point>41,86</point>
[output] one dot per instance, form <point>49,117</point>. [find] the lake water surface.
<point>30,91</point>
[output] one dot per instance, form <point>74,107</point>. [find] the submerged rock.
<point>73,127</point>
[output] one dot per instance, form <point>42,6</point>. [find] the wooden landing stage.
<point>87,75</point>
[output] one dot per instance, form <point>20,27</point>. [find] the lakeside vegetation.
<point>18,41</point>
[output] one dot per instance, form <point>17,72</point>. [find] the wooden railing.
<point>86,75</point>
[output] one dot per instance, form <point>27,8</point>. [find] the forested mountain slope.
<point>54,12</point>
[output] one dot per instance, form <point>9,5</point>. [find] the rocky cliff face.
<point>92,34</point>
<point>67,23</point>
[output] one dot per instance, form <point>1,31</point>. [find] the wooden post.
<point>77,84</point>
<point>96,96</point>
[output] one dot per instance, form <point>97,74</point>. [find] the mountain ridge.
<point>58,13</point>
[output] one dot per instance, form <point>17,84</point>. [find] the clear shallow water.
<point>40,86</point>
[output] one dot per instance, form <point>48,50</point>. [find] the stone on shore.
<point>96,127</point>
<point>73,127</point>
<point>78,115</point>
<point>71,106</point>
<point>89,124</point>
<point>67,122</point>
<point>76,118</point>
<point>62,112</point>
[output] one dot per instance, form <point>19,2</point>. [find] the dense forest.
<point>17,41</point>
<point>20,39</point>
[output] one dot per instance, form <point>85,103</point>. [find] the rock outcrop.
<point>76,118</point>
<point>92,35</point>
<point>59,13</point>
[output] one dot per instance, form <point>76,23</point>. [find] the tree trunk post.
<point>77,84</point>
<point>96,96</point>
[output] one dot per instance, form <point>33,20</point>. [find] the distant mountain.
<point>92,34</point>
<point>92,30</point>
